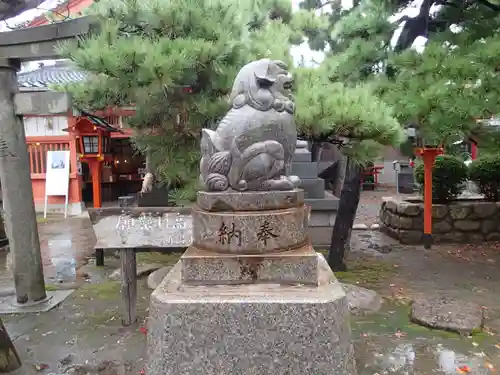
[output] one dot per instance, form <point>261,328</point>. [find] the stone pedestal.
<point>251,296</point>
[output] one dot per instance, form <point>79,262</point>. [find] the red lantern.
<point>94,147</point>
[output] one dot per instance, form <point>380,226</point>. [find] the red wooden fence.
<point>37,151</point>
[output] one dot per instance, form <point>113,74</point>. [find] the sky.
<point>299,53</point>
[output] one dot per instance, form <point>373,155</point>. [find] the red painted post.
<point>428,155</point>
<point>473,151</point>
<point>95,170</point>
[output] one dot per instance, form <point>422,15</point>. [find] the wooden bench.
<point>109,240</point>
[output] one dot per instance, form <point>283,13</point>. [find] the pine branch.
<point>12,8</point>
<point>494,7</point>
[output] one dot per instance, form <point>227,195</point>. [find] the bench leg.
<point>128,285</point>
<point>99,258</point>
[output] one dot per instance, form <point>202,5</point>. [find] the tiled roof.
<point>60,73</point>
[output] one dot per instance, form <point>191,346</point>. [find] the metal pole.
<point>17,193</point>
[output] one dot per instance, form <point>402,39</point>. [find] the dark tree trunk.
<point>9,359</point>
<point>348,204</point>
<point>315,150</point>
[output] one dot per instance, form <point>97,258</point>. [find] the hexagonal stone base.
<point>250,232</point>
<point>299,266</point>
<point>264,329</point>
<point>231,200</point>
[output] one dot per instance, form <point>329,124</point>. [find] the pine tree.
<point>175,61</point>
<point>355,119</point>
<point>445,88</point>
<point>347,106</point>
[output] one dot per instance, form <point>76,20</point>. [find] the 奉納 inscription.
<point>265,232</point>
<point>226,234</point>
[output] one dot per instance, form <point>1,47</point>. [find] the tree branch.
<point>447,3</point>
<point>12,8</point>
<point>494,7</point>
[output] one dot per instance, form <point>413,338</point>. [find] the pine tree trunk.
<point>17,195</point>
<point>9,359</point>
<point>348,204</point>
<point>340,176</point>
<point>149,163</point>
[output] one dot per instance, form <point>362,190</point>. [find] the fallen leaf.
<point>399,334</point>
<point>40,367</point>
<point>463,369</point>
<point>488,331</point>
<point>489,366</point>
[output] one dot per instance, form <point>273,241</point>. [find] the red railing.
<point>37,151</point>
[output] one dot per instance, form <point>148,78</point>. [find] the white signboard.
<point>57,177</point>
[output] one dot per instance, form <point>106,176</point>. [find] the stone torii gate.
<point>19,46</point>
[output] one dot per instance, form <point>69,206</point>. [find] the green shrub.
<point>449,174</point>
<point>485,173</point>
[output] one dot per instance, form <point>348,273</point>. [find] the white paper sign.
<point>57,177</point>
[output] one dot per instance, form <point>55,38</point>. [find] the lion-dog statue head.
<point>263,84</point>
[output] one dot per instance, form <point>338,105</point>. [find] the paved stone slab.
<point>362,299</point>
<point>9,305</point>
<point>249,200</point>
<point>447,313</point>
<point>298,266</point>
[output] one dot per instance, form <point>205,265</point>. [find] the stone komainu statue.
<point>253,145</point>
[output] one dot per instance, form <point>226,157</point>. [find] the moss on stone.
<point>366,272</point>
<point>51,287</point>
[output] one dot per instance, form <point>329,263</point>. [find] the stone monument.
<point>251,296</point>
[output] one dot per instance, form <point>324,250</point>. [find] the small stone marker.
<point>361,299</point>
<point>447,313</point>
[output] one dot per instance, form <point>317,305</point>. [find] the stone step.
<point>299,266</point>
<point>313,188</point>
<point>305,169</point>
<point>329,203</point>
<point>301,155</point>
